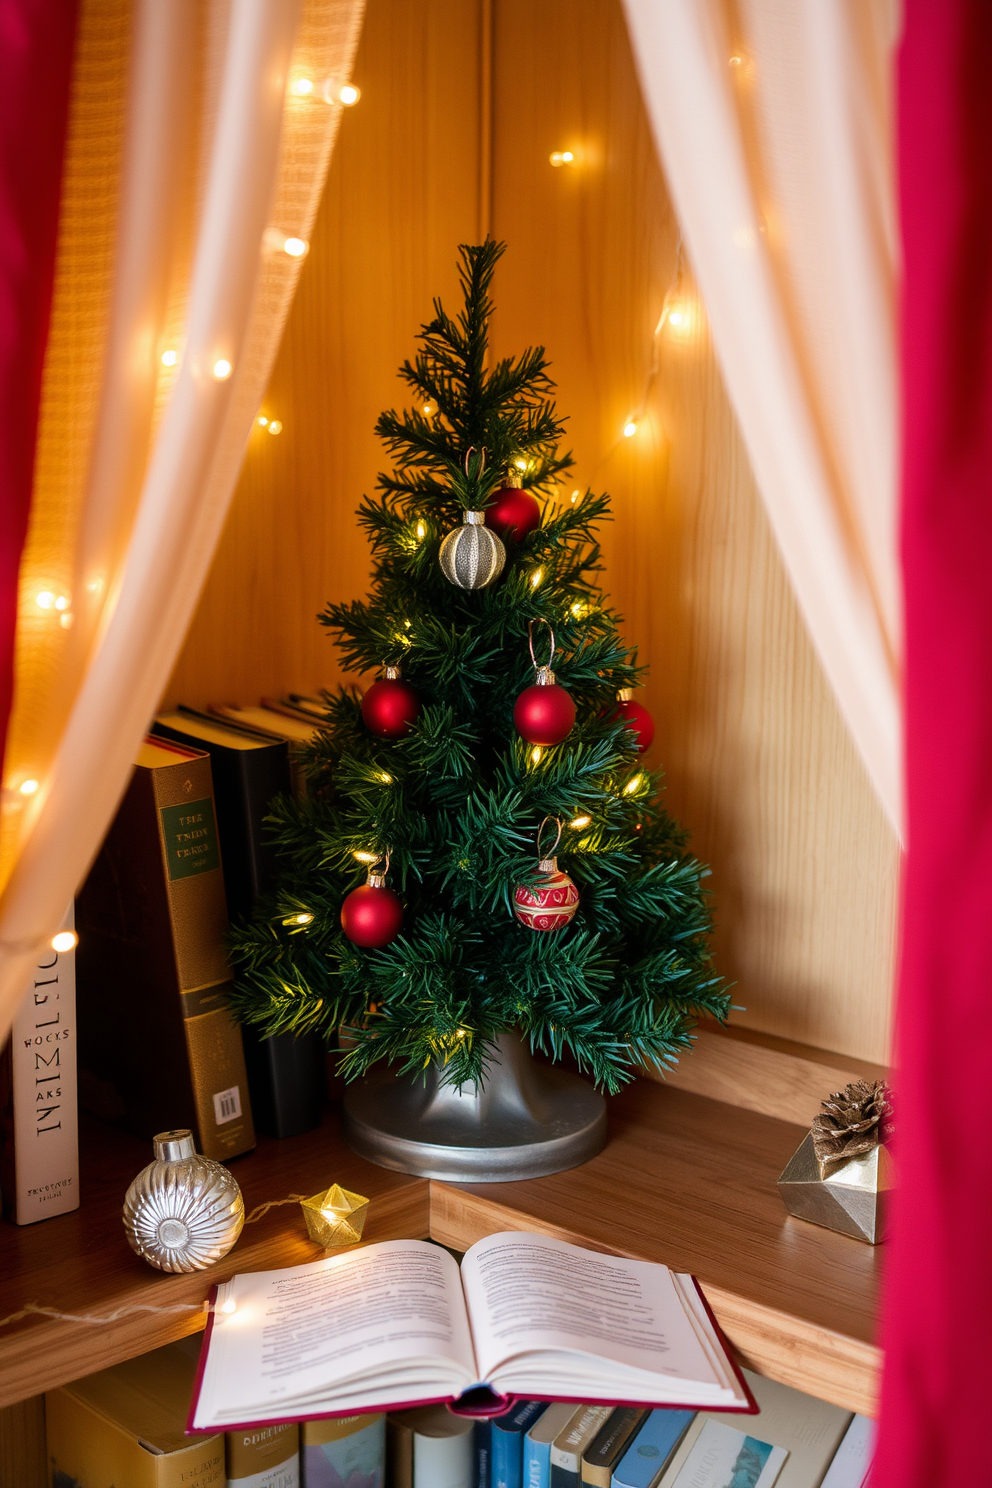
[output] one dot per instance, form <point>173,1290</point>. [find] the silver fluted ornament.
<point>472,556</point>
<point>183,1211</point>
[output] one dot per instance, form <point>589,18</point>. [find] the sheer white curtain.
<point>773,122</point>
<point>224,154</point>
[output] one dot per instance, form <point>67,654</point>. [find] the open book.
<point>400,1324</point>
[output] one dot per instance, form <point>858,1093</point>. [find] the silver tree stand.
<point>528,1120</point>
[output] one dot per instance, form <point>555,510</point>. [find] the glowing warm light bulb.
<point>263,420</point>
<point>536,577</point>
<point>735,60</point>
<point>169,358</point>
<point>366,857</point>
<point>222,369</point>
<point>536,755</point>
<point>275,426</point>
<point>303,87</point>
<point>520,464</point>
<point>421,534</point>
<point>65,620</point>
<point>575,496</point>
<point>64,941</point>
<point>561,157</point>
<point>461,1033</point>
<point>45,600</point>
<point>386,779</point>
<point>345,93</point>
<point>303,918</point>
<point>580,821</point>
<point>28,787</point>
<point>630,429</point>
<point>62,602</point>
<point>675,318</point>
<point>229,1305</point>
<point>633,784</point>
<point>295,247</point>
<point>430,409</point>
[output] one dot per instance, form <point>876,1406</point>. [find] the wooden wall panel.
<point>759,764</point>
<point>402,192</point>
<point>760,767</point>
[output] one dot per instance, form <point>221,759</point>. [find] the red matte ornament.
<point>636,717</point>
<point>544,713</point>
<point>372,916</point>
<point>391,706</point>
<point>513,513</point>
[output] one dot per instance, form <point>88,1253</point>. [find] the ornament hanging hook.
<point>482,460</point>
<point>544,856</point>
<point>377,873</point>
<point>540,667</point>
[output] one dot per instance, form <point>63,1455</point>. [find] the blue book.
<point>539,1440</point>
<point>508,1443</point>
<point>483,1446</point>
<point>651,1448</point>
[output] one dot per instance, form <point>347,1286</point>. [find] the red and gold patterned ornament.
<point>552,903</point>
<point>512,511</point>
<point>544,713</point>
<point>372,915</point>
<point>636,717</point>
<point>390,707</point>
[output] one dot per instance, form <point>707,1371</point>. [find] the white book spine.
<point>42,1120</point>
<point>852,1464</point>
<point>443,1461</point>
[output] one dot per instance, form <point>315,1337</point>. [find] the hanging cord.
<point>538,666</point>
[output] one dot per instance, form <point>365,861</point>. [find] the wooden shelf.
<point>684,1179</point>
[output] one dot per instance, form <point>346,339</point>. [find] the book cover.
<point>790,1442</point>
<point>286,1074</point>
<point>158,1047</point>
<point>649,1451</point>
<point>537,1443</point>
<point>267,1458</point>
<point>852,1460</point>
<point>609,1445</point>
<point>39,1143</point>
<point>345,1452</point>
<point>508,1442</point>
<point>125,1424</point>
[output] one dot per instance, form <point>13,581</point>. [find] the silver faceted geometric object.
<point>183,1211</point>
<point>850,1197</point>
<point>527,1121</point>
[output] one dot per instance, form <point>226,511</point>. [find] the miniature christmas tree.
<point>440,778</point>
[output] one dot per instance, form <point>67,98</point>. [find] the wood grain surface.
<point>759,765</point>
<point>82,1263</point>
<point>683,1180</point>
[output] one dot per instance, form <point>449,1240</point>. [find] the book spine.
<point>39,1145</point>
<point>537,1464</point>
<point>483,1447</point>
<point>564,1477</point>
<point>198,910</point>
<point>507,1459</point>
<point>443,1461</point>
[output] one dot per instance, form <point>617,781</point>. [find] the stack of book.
<point>125,1425</point>
<point>187,852</point>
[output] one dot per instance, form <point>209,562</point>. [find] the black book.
<point>285,1073</point>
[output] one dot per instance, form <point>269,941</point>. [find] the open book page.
<point>383,1325</point>
<point>541,1309</point>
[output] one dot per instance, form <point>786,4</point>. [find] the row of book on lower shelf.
<point>126,1426</point>
<point>186,853</point>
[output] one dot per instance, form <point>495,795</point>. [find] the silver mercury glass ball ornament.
<point>183,1211</point>
<point>472,556</point>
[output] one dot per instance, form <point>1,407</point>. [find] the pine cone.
<point>852,1122</point>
